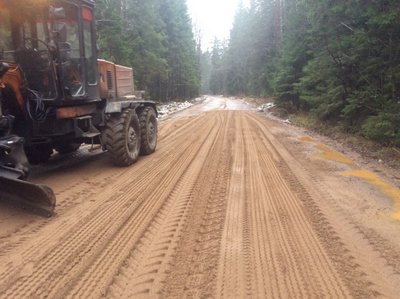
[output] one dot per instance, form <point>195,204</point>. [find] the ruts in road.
<point>231,205</point>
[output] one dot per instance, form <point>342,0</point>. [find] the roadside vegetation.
<point>336,61</point>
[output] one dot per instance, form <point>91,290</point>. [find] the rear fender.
<point>117,107</point>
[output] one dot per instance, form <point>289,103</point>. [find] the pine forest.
<point>156,38</point>
<point>336,60</point>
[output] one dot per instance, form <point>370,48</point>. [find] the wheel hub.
<point>151,131</point>
<point>132,139</point>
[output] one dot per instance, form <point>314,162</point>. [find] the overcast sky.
<point>213,17</point>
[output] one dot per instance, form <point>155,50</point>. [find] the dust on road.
<point>231,205</point>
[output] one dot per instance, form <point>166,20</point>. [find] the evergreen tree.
<point>217,80</point>
<point>183,75</point>
<point>110,40</point>
<point>296,53</point>
<point>156,38</point>
<point>147,51</point>
<point>238,54</point>
<point>337,59</point>
<point>206,69</point>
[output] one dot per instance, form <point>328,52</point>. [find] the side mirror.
<point>4,67</point>
<point>57,13</point>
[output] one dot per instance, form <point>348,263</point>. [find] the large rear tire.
<point>149,130</point>
<point>123,138</point>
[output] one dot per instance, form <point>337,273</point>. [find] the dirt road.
<point>232,204</point>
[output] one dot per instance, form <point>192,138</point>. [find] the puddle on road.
<point>390,191</point>
<point>307,139</point>
<point>331,155</point>
<point>328,154</point>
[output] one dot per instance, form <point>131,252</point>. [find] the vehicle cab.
<point>53,45</point>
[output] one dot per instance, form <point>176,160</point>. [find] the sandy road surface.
<point>232,204</point>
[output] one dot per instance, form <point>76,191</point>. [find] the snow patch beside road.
<point>165,110</point>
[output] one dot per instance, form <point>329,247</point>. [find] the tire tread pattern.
<point>146,148</point>
<point>115,137</point>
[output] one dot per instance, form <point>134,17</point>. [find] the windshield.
<point>23,25</point>
<point>69,45</point>
<point>24,39</point>
<point>38,36</point>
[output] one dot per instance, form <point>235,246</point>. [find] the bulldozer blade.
<point>39,199</point>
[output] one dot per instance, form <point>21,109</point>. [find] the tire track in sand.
<point>234,267</point>
<point>217,211</point>
<point>73,191</point>
<point>279,248</point>
<point>146,268</point>
<point>70,192</point>
<point>193,270</point>
<point>160,203</point>
<point>310,193</point>
<point>79,248</point>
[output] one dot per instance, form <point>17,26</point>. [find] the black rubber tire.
<point>67,148</point>
<point>149,130</point>
<point>38,154</point>
<point>123,138</point>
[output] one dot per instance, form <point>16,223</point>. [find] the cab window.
<point>91,64</point>
<point>6,47</point>
<point>70,46</point>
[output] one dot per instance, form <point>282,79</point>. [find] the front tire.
<point>123,138</point>
<point>149,130</point>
